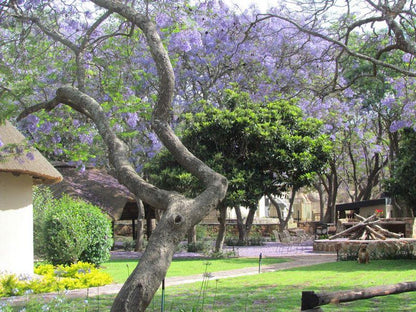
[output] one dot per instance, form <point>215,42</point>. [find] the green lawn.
<point>120,269</point>
<point>280,291</point>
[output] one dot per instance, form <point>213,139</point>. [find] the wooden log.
<point>375,233</point>
<point>380,229</point>
<point>312,300</point>
<point>354,227</point>
<point>387,232</point>
<point>364,235</point>
<point>347,231</point>
<point>365,220</point>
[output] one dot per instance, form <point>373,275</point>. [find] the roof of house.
<point>99,188</point>
<point>360,204</point>
<point>36,165</point>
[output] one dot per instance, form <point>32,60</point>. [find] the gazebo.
<point>19,171</point>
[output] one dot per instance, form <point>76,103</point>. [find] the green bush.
<point>99,236</point>
<point>252,241</point>
<point>42,201</point>
<point>199,246</point>
<point>70,230</point>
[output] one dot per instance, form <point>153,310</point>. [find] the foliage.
<point>402,184</point>
<point>199,246</point>
<point>264,147</point>
<point>54,278</point>
<point>252,241</point>
<point>70,230</point>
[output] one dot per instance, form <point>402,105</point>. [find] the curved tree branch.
<point>340,44</point>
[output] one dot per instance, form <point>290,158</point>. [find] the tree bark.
<point>222,228</point>
<point>192,235</point>
<point>240,226</point>
<point>244,228</point>
<point>311,300</point>
<point>140,226</point>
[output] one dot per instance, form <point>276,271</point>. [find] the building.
<point>19,171</point>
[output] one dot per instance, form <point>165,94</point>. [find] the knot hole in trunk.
<point>178,219</point>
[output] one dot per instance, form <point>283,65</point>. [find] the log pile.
<point>366,229</point>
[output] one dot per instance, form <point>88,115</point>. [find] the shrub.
<point>129,245</point>
<point>252,241</point>
<point>199,246</point>
<point>65,231</point>
<point>70,230</point>
<point>42,201</point>
<point>99,236</point>
<point>55,278</point>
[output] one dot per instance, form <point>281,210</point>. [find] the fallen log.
<point>312,300</point>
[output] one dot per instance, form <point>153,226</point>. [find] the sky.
<point>261,4</point>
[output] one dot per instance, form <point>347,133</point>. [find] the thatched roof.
<point>36,165</point>
<point>99,188</point>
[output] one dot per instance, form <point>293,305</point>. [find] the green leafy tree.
<point>402,185</point>
<point>262,149</point>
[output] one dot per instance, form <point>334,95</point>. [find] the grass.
<point>281,291</point>
<point>120,269</point>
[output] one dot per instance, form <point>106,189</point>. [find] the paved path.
<point>302,258</point>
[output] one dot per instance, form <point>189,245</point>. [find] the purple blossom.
<point>163,20</point>
<point>46,127</point>
<point>86,138</point>
<point>132,119</point>
<point>32,123</point>
<point>349,93</point>
<point>407,57</point>
<point>1,143</point>
<point>58,152</point>
<point>186,40</point>
<point>56,138</point>
<point>30,156</point>
<point>377,148</point>
<point>399,124</point>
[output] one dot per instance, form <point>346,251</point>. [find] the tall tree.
<point>401,186</point>
<point>263,148</point>
<point>58,25</point>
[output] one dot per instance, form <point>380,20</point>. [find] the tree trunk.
<point>240,226</point>
<point>149,226</point>
<point>244,228</point>
<point>311,300</point>
<point>249,221</point>
<point>222,228</point>
<point>140,226</point>
<point>282,224</point>
<point>192,235</point>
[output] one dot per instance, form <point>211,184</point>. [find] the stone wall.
<point>326,245</point>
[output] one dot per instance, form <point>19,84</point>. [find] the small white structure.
<point>18,173</point>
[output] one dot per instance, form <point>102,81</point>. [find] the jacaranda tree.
<point>60,42</point>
